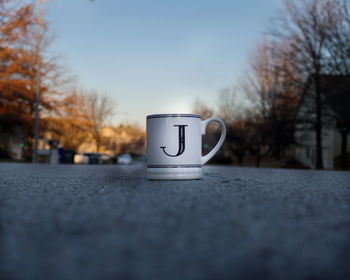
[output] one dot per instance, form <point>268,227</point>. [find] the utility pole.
<point>37,82</point>
<point>37,85</point>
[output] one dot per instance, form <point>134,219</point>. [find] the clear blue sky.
<point>157,56</point>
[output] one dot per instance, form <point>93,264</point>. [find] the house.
<point>335,100</point>
<point>117,140</point>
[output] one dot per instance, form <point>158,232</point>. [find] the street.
<point>109,222</point>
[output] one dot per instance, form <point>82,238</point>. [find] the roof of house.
<point>336,90</point>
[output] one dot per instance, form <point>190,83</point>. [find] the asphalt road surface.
<point>109,222</point>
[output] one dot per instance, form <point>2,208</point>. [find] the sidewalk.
<point>109,222</point>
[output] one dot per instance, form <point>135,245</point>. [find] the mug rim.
<point>155,116</point>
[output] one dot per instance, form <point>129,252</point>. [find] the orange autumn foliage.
<point>17,64</point>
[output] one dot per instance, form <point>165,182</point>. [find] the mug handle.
<point>222,137</point>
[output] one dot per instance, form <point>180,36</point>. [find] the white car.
<point>124,159</point>
<point>81,159</point>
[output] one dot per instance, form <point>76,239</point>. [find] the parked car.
<point>81,159</point>
<point>125,159</point>
<point>94,158</point>
<point>106,158</point>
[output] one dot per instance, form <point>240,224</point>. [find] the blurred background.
<point>77,78</point>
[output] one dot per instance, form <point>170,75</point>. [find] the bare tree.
<point>234,115</point>
<point>212,131</point>
<point>317,35</point>
<point>99,108</point>
<point>268,84</point>
<point>200,108</point>
<point>338,44</point>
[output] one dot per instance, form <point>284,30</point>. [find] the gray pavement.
<point>109,222</point>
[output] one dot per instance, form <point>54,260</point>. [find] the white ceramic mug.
<point>174,146</point>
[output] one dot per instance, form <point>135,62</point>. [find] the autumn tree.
<point>70,125</point>
<point>16,65</point>
<point>18,68</point>
<point>80,117</point>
